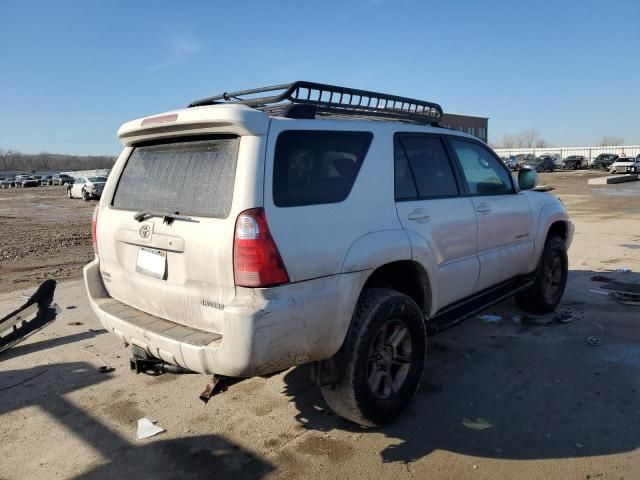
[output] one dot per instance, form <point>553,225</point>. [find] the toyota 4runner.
<point>263,229</point>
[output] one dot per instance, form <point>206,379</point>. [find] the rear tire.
<point>384,355</point>
<point>550,279</point>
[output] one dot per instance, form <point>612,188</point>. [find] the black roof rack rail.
<point>329,100</point>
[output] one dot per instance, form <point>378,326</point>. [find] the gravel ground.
<point>43,235</point>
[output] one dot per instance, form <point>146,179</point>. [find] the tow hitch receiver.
<point>142,362</point>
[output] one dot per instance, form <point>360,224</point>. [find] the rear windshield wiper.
<point>167,217</point>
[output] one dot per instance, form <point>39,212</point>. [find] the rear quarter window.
<point>188,177</point>
<point>317,167</point>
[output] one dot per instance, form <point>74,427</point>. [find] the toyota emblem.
<point>145,231</point>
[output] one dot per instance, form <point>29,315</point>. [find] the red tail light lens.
<point>256,260</point>
<point>94,226</point>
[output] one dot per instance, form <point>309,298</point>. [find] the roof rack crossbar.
<point>350,101</point>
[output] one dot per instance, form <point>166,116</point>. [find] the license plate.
<point>151,262</point>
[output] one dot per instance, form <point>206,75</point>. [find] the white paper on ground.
<point>147,429</point>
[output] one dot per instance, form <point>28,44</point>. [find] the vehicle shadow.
<point>535,385</point>
<point>28,348</point>
<point>206,456</point>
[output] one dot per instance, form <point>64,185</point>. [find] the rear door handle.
<point>483,208</point>
<point>418,214</point>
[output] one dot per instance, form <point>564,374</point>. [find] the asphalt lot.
<point>554,405</point>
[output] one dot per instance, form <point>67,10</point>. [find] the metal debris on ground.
<point>564,317</point>
<point>147,429</point>
<point>490,318</point>
<point>75,324</point>
<point>476,424</point>
<point>594,341</point>
<point>626,298</point>
<point>599,292</point>
<point>622,287</point>
<point>601,278</point>
<point>36,313</point>
<point>215,385</point>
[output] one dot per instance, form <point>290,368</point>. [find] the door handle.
<point>483,208</point>
<point>418,214</point>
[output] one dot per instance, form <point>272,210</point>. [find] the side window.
<point>405,187</point>
<point>429,166</point>
<point>315,167</point>
<point>482,172</point>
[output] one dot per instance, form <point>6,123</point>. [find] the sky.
<point>71,72</point>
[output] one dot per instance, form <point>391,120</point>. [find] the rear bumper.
<point>265,330</point>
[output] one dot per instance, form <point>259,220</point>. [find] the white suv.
<point>244,235</point>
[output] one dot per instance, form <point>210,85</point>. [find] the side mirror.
<point>527,178</point>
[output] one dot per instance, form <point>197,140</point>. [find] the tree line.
<point>11,160</point>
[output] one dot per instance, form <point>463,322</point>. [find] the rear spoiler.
<point>217,119</point>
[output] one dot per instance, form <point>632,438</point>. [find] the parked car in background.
<point>512,162</point>
<point>61,179</point>
<point>625,165</point>
<point>575,162</point>
<point>86,188</point>
<point>541,164</point>
<point>555,158</point>
<point>46,180</point>
<point>604,161</point>
<point>523,158</point>
<point>7,182</point>
<point>27,181</point>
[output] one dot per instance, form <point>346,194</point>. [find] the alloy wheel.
<point>389,359</point>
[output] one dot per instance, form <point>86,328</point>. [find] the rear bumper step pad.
<point>157,325</point>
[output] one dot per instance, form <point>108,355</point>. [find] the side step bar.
<point>455,313</point>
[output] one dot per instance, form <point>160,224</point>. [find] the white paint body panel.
<point>449,232</point>
<point>505,237</point>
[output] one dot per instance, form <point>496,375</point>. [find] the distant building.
<point>470,124</point>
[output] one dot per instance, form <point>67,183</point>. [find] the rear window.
<point>315,167</point>
<point>191,178</point>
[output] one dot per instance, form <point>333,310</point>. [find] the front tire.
<point>550,279</point>
<point>85,196</point>
<point>384,355</point>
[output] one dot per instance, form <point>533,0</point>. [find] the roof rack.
<point>318,98</point>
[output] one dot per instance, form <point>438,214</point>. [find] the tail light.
<point>94,226</point>
<point>256,260</point>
